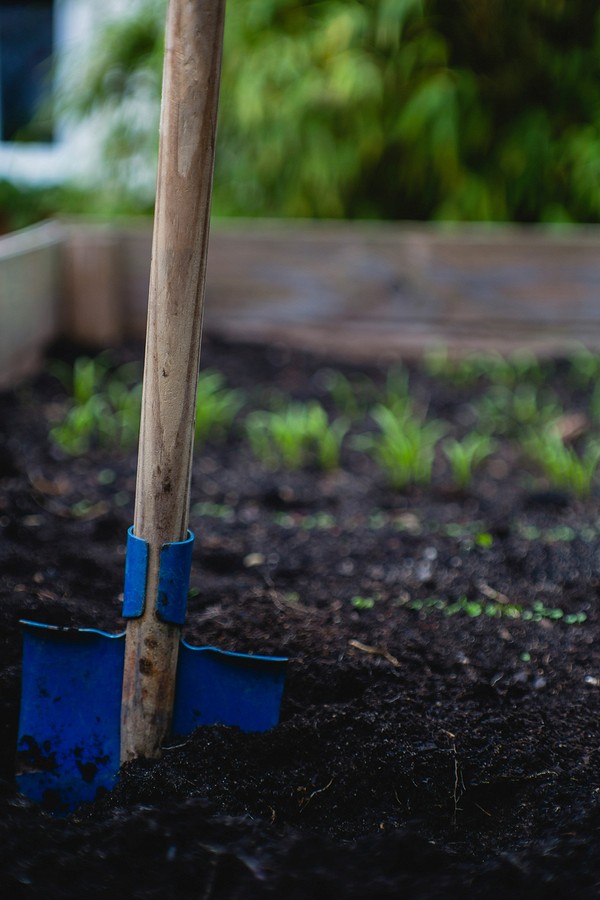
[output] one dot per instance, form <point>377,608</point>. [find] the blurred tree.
<point>397,109</point>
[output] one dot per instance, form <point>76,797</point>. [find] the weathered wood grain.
<point>187,139</point>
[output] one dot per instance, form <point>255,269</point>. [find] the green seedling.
<point>82,426</point>
<point>103,410</point>
<point>213,510</point>
<point>396,396</point>
<point>363,603</point>
<point>299,435</point>
<point>559,534</point>
<point>351,398</point>
<point>104,406</point>
<point>216,407</point>
<point>519,368</point>
<point>436,362</point>
<point>466,455</point>
<point>461,372</point>
<point>584,368</point>
<point>84,379</point>
<point>563,467</point>
<point>493,609</point>
<point>124,405</point>
<point>321,521</point>
<point>404,448</point>
<point>328,440</point>
<point>466,371</point>
<point>484,540</point>
<point>503,410</point>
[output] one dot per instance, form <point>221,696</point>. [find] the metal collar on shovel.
<point>90,700</point>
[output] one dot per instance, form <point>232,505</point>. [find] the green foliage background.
<point>392,109</point>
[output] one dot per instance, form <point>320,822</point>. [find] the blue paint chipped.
<point>68,751</point>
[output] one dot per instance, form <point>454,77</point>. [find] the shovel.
<point>92,701</point>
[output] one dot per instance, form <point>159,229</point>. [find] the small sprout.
<point>405,446</point>
<point>484,540</point>
<point>321,521</point>
<point>525,656</point>
<point>82,426</point>
<point>436,362</point>
<point>560,533</point>
<point>584,368</point>
<point>298,435</point>
<point>88,376</point>
<point>462,372</point>
<point>363,602</point>
<point>216,407</point>
<point>342,393</point>
<point>508,409</point>
<point>349,397</point>
<point>284,519</point>
<point>522,366</point>
<point>530,532</point>
<point>83,508</point>
<point>213,510</point>
<point>471,607</point>
<point>562,465</point>
<point>577,618</point>
<point>466,455</point>
<point>397,394</point>
<point>495,610</point>
<point>105,406</point>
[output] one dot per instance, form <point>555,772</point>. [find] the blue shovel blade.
<point>69,729</point>
<point>220,687</point>
<point>68,746</point>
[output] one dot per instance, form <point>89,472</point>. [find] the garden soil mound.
<point>420,753</point>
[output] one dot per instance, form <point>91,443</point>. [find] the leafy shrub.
<point>398,109</point>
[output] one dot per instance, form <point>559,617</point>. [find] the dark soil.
<point>419,754</point>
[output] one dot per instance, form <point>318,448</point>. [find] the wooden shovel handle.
<point>194,39</point>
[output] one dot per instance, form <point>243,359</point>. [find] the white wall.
<point>72,152</point>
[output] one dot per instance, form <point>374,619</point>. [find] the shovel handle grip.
<point>193,47</point>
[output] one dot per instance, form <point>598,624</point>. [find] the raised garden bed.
<point>439,734</point>
<point>321,285</point>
